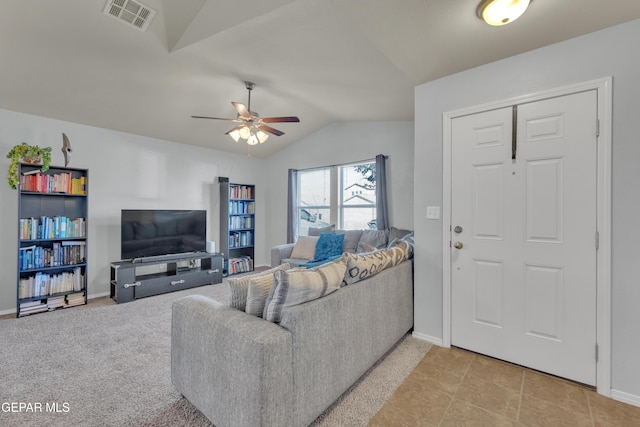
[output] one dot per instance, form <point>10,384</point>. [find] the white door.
<point>523,260</point>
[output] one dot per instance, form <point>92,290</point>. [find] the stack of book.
<point>241,264</point>
<point>60,253</point>
<point>31,307</point>
<point>55,302</point>
<point>240,192</point>
<point>241,239</point>
<point>75,299</point>
<point>56,183</point>
<point>57,227</point>
<point>241,207</point>
<point>43,284</point>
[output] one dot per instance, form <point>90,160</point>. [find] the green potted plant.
<point>28,154</point>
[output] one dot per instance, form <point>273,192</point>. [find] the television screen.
<point>147,233</point>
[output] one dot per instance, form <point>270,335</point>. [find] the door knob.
<point>457,245</point>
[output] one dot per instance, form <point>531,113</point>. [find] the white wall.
<point>342,143</point>
<point>129,171</point>
<point>125,172</point>
<point>604,53</point>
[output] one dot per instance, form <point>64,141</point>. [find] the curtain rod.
<point>341,164</point>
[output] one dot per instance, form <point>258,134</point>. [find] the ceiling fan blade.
<point>242,110</point>
<point>269,129</point>
<point>214,118</point>
<point>280,119</point>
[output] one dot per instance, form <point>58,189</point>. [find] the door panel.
<point>544,202</point>
<point>544,290</point>
<point>488,290</point>
<point>488,201</point>
<point>523,282</point>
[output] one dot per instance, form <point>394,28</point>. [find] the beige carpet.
<point>109,365</point>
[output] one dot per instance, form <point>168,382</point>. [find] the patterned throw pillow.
<point>397,254</point>
<point>305,247</point>
<point>239,286</point>
<point>364,265</point>
<point>409,240</point>
<point>259,288</point>
<point>295,287</point>
<point>328,246</point>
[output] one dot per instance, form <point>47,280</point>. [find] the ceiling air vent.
<point>130,12</point>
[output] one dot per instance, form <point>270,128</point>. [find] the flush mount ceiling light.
<point>501,12</point>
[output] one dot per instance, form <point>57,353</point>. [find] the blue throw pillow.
<point>312,264</point>
<point>329,245</point>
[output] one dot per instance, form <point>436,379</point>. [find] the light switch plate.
<point>433,212</point>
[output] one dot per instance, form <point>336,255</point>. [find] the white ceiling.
<point>322,60</point>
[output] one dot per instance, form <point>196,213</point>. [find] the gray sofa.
<point>241,370</point>
<point>352,240</point>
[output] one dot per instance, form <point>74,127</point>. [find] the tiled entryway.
<point>454,387</point>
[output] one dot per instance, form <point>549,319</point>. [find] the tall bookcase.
<point>52,238</point>
<point>237,226</point>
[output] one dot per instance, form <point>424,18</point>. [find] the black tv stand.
<point>128,284</point>
<point>165,258</point>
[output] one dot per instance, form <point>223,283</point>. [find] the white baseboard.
<point>9,311</point>
<point>621,396</point>
<point>424,337</point>
<point>100,295</point>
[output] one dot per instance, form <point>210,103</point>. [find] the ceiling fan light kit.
<point>252,127</point>
<point>501,12</point>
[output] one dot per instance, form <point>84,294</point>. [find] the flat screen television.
<point>152,232</point>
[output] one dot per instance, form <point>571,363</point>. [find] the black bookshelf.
<point>237,226</point>
<point>52,238</point>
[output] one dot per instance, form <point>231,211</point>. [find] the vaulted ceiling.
<point>322,60</point>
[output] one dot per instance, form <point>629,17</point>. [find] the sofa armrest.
<point>280,252</point>
<point>234,367</point>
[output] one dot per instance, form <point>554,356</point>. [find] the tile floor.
<point>454,387</point>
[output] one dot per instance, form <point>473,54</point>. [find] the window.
<point>344,195</point>
<point>314,199</point>
<point>357,207</point>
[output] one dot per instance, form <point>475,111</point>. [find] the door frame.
<point>603,88</point>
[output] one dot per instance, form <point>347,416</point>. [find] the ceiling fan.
<point>252,127</point>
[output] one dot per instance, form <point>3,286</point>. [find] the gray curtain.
<point>292,195</point>
<point>382,209</point>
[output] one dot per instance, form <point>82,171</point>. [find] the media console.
<point>129,281</point>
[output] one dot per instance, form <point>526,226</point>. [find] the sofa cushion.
<point>409,240</point>
<point>316,231</point>
<point>239,286</point>
<point>257,293</point>
<point>397,233</point>
<point>305,247</point>
<point>377,238</point>
<point>295,287</point>
<point>364,247</point>
<point>295,262</point>
<point>351,239</point>
<point>329,245</point>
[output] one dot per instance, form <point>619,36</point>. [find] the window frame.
<point>336,205</point>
